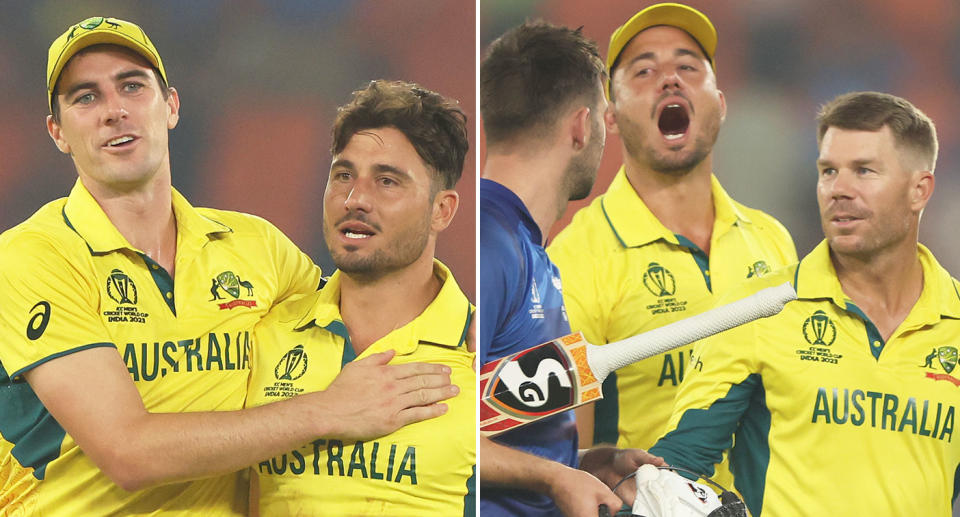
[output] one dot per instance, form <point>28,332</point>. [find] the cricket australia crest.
<point>231,284</point>
<point>946,357</point>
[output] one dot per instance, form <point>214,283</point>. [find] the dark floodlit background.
<point>777,62</point>
<point>259,84</point>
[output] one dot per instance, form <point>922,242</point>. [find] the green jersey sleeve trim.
<point>751,453</point>
<point>16,376</point>
<point>701,435</point>
<point>470,498</point>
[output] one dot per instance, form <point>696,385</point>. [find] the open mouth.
<point>120,142</point>
<point>356,231</point>
<point>674,121</point>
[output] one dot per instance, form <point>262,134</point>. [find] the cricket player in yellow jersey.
<point>665,237</point>
<point>845,403</point>
<point>120,388</point>
<point>398,151</point>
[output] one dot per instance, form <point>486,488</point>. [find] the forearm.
<point>167,447</point>
<point>506,467</point>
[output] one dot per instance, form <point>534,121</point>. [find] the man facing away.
<point>398,151</point>
<point>834,406</point>
<point>121,387</point>
<point>665,237</point>
<point>541,96</point>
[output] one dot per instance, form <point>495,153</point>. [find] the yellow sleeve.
<point>581,293</point>
<point>296,273</point>
<point>50,307</point>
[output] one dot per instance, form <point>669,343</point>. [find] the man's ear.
<point>173,103</point>
<point>578,127</point>
<point>56,134</point>
<point>921,190</point>
<point>445,205</point>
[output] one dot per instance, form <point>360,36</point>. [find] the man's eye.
<point>86,98</point>
<point>132,87</point>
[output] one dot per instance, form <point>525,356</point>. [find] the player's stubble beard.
<point>886,229</point>
<point>581,172</point>
<point>638,143</point>
<point>404,248</point>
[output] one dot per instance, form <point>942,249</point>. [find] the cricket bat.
<point>567,372</point>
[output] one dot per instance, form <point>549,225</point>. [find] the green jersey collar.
<point>635,225</point>
<point>443,322</point>
<point>88,219</point>
<point>816,278</point>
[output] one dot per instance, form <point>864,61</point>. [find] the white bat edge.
<point>765,302</point>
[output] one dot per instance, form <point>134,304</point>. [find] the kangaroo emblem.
<point>929,363</point>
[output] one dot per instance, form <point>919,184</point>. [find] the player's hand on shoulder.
<point>578,493</point>
<point>370,398</point>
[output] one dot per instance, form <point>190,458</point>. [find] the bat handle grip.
<point>763,303</point>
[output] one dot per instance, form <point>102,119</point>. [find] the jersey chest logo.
<point>662,284</point>
<point>758,269</point>
<point>230,284</point>
<point>122,290</point>
<point>946,357</point>
<point>819,331</point>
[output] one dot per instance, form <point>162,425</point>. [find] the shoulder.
<point>45,234</point>
<point>590,231</point>
<point>765,224</point>
<point>239,222</point>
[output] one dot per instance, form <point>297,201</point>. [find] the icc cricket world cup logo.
<point>819,329</point>
<point>120,288</point>
<point>292,365</point>
<point>659,280</point>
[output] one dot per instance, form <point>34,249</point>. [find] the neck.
<point>535,178</point>
<point>683,203</point>
<point>144,216</point>
<point>371,308</point>
<point>885,286</point>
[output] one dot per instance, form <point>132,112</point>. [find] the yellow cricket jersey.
<point>426,468</point>
<point>829,418</point>
<point>70,281</point>
<point>625,273</point>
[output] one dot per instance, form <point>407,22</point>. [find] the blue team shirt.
<point>520,306</point>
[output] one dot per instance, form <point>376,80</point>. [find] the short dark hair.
<point>531,73</point>
<point>55,103</point>
<point>434,124</point>
<point>912,130</point>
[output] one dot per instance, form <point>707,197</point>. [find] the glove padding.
<point>664,493</point>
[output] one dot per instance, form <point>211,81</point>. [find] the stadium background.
<point>777,62</point>
<point>259,84</point>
